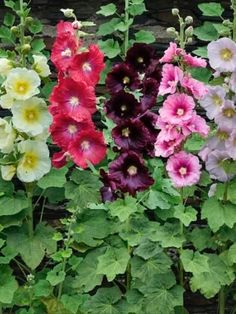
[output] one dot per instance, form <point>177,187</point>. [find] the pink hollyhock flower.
<point>64,49</point>
<point>65,129</point>
<point>171,76</point>
<point>65,28</point>
<point>168,131</point>
<point>171,53</point>
<point>222,55</point>
<point>214,165</point>
<point>196,88</point>
<point>87,66</point>
<point>212,102</point>
<point>194,61</point>
<point>230,145</point>
<point>227,117</point>
<point>89,146</point>
<point>196,125</point>
<point>177,109</point>
<point>183,169</point>
<point>232,82</point>
<point>165,148</point>
<point>59,159</point>
<point>73,98</point>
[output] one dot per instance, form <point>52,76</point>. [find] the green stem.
<point>22,32</point>
<point>181,32</point>
<point>181,268</point>
<point>1,311</point>
<point>234,20</point>
<point>222,301</point>
<point>29,191</point>
<point>126,39</point>
<point>128,271</point>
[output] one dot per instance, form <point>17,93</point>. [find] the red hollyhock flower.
<point>63,51</point>
<point>131,134</point>
<point>59,159</point>
<point>139,56</point>
<point>129,173</point>
<point>73,98</point>
<point>65,28</point>
<point>122,106</point>
<point>120,77</point>
<point>87,66</point>
<point>88,146</point>
<point>65,129</point>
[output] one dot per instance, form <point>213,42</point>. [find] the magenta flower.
<point>213,101</point>
<point>165,148</point>
<point>194,61</point>
<point>196,88</point>
<point>183,169</point>
<point>222,55</point>
<point>171,53</point>
<point>171,76</point>
<point>168,131</point>
<point>196,125</point>
<point>177,109</point>
<point>227,117</point>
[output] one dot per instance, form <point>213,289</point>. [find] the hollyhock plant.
<point>139,57</point>
<point>108,191</point>
<point>194,87</point>
<point>227,116</point>
<point>183,169</point>
<point>171,53</point>
<point>171,77</point>
<point>149,91</point>
<point>129,173</point>
<point>230,145</point>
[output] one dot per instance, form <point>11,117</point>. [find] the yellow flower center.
<point>72,129</point>
<point>226,54</point>
<point>74,101</point>
<point>132,170</point>
<point>87,67</point>
<point>126,80</point>
<point>30,160</point>
<point>217,100</point>
<point>85,145</point>
<point>22,87</point>
<point>31,115</point>
<point>123,108</point>
<point>180,112</point>
<point>140,60</point>
<point>222,135</point>
<point>126,132</point>
<point>183,171</point>
<point>66,53</point>
<point>229,113</point>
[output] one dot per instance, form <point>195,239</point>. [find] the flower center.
<point>123,108</point>
<point>31,115</point>
<point>183,171</point>
<point>126,132</point>
<point>222,135</point>
<point>180,111</point>
<point>85,145</point>
<point>217,100</point>
<point>30,160</point>
<point>87,67</point>
<point>226,54</point>
<point>66,53</point>
<point>126,80</point>
<point>22,87</point>
<point>74,101</point>
<point>229,113</point>
<point>72,129</point>
<point>140,60</point>
<point>132,170</point>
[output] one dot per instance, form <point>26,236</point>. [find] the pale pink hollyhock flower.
<point>230,145</point>
<point>214,165</point>
<point>232,82</point>
<point>227,117</point>
<point>164,148</point>
<point>168,131</point>
<point>194,61</point>
<point>204,153</point>
<point>183,169</point>
<point>213,101</point>
<point>198,89</point>
<point>196,125</point>
<point>171,76</point>
<point>171,53</point>
<point>222,55</point>
<point>177,109</point>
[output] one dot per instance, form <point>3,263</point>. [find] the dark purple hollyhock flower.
<point>108,189</point>
<point>149,91</point>
<point>132,134</point>
<point>139,56</point>
<point>122,106</point>
<point>122,76</point>
<point>130,173</point>
<point>154,70</point>
<point>149,119</point>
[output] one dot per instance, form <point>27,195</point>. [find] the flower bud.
<point>8,172</point>
<point>77,25</point>
<point>188,19</point>
<point>29,20</point>
<point>68,12</point>
<point>227,23</point>
<point>189,31</point>
<point>189,40</point>
<point>175,11</point>
<point>28,39</point>
<point>171,31</point>
<point>14,29</point>
<point>25,48</point>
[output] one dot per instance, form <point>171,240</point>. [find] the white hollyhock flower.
<point>35,161</point>
<point>41,66</point>
<point>31,116</point>
<point>22,84</point>
<point>8,172</point>
<point>6,101</point>
<point>5,66</point>
<point>7,136</point>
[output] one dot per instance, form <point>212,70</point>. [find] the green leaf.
<point>36,26</point>
<point>206,32</point>
<point>72,303</point>
<point>8,284</point>
<point>56,275</point>
<point>47,89</point>
<point>185,214</point>
<point>201,74</point>
<point>42,288</point>
<point>194,143</point>
<point>104,301</point>
<point>108,27</point>
<point>201,52</point>
<point>147,249</point>
<point>232,254</point>
<point>55,178</point>
<point>144,37</point>
<point>218,214</point>
<point>202,238</point>
<point>12,205</point>
<point>9,3</point>
<point>110,47</point>
<point>38,45</point>
<point>113,262</point>
<point>211,9</point>
<point>157,199</point>
<point>9,19</point>
<point>123,208</point>
<point>107,10</point>
<point>221,29</point>
<point>194,262</point>
<point>137,9</point>
<point>6,187</point>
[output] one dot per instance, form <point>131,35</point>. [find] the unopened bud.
<point>227,23</point>
<point>25,48</point>
<point>189,40</point>
<point>14,29</point>
<point>28,39</point>
<point>68,12</point>
<point>29,20</point>
<point>175,11</point>
<point>77,25</point>
<point>188,20</point>
<point>189,31</point>
<point>171,31</point>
